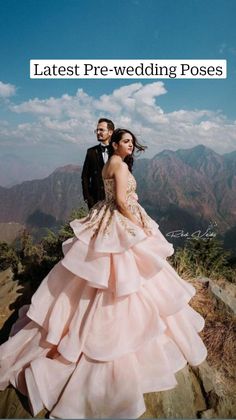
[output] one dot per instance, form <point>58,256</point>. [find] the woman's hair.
<point>117,136</point>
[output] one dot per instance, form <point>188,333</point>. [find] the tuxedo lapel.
<point>99,156</point>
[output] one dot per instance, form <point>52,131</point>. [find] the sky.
<point>48,123</point>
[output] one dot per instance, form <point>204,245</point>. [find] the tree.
<point>8,257</point>
<point>38,259</point>
<point>203,257</point>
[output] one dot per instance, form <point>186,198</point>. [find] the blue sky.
<point>41,114</point>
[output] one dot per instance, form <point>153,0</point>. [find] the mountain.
<point>10,231</point>
<point>15,169</point>
<point>194,187</point>
<point>43,201</point>
<point>185,190</point>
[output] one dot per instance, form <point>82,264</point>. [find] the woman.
<point>111,321</point>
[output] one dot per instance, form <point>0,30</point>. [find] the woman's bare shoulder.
<point>113,166</point>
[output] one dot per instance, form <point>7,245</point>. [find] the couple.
<point>111,321</point>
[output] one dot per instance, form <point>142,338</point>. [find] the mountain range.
<point>186,190</point>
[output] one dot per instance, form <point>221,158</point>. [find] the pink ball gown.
<point>110,322</point>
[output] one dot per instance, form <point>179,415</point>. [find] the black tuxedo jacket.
<point>92,182</point>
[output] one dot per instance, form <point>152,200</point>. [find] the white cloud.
<point>71,119</point>
<point>6,90</point>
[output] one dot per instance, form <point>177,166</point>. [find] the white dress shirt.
<point>104,153</point>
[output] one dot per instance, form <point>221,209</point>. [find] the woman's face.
<point>125,146</point>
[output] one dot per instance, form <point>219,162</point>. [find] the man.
<point>96,157</point>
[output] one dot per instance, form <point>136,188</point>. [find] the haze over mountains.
<point>185,190</point>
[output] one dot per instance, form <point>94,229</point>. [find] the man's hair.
<point>110,124</point>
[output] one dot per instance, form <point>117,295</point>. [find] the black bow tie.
<point>105,147</point>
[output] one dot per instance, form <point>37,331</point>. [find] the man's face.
<point>103,134</point>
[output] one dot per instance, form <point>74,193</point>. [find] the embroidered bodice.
<point>105,222</point>
<point>109,185</point>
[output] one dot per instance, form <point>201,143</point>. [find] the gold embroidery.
<point>107,228</point>
<point>99,219</point>
<point>123,221</point>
